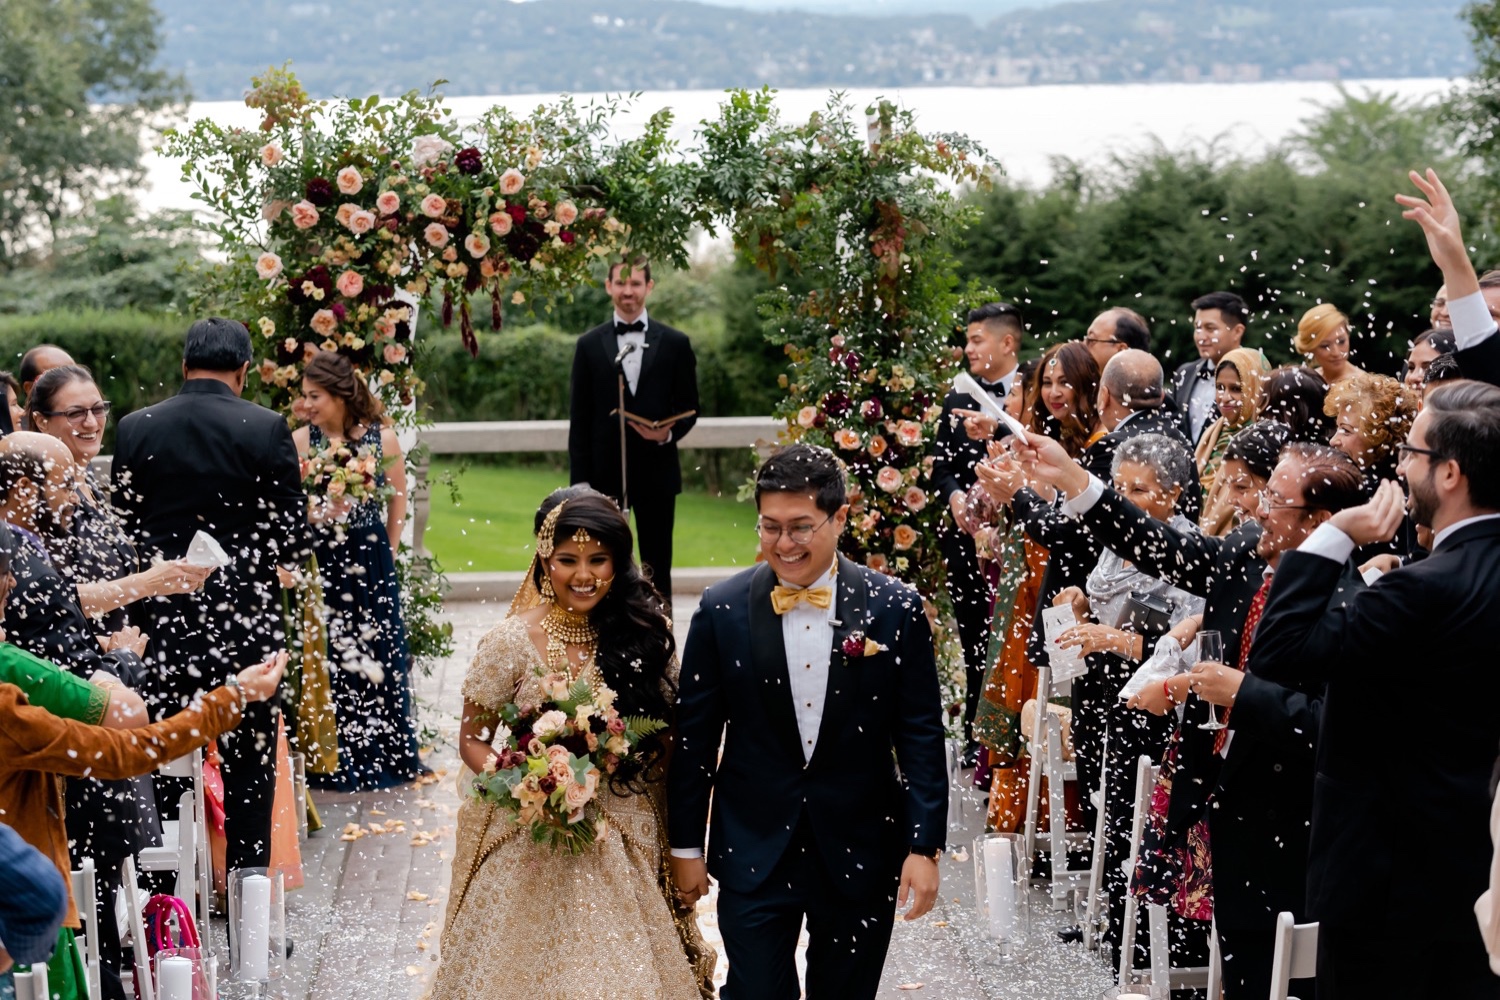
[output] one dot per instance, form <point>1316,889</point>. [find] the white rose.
<point>549,724</point>
<point>428,149</point>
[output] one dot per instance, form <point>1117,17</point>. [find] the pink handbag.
<point>170,931</point>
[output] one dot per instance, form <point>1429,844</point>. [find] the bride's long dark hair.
<point>635,643</point>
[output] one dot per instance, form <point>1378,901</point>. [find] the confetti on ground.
<point>417,897</point>
<point>911,986</point>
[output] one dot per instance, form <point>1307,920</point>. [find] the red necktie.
<point>1247,637</point>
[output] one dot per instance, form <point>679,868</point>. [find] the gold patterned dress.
<point>524,921</point>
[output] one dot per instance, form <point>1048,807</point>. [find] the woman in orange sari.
<point>1059,402</point>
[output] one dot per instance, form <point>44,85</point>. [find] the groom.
<point>830,799</point>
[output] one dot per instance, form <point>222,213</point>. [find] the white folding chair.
<point>185,848</point>
<point>1296,955</point>
<point>1091,915</point>
<point>1164,977</point>
<point>86,941</point>
<point>129,898</point>
<point>32,985</point>
<point>1045,748</point>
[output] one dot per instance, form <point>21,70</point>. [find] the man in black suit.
<point>1115,330</point>
<point>661,380</point>
<point>1219,320</point>
<point>1253,783</point>
<point>992,342</point>
<point>208,460</point>
<point>1374,893</point>
<point>830,799</point>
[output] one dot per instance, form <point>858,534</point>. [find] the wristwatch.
<point>233,683</point>
<point>933,854</point>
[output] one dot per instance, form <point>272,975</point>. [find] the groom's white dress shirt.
<point>632,361</point>
<point>807,632</point>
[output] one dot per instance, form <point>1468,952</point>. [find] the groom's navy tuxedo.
<point>874,788</point>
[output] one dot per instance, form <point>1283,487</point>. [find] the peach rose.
<point>566,213</point>
<point>336,489</point>
<point>394,354</point>
<point>304,214</point>
<point>905,536</point>
<point>549,724</point>
<point>388,202</point>
<point>434,206</point>
<point>576,797</point>
<point>428,149</point>
<point>512,181</point>
<point>477,245</point>
<point>807,416</point>
<point>270,154</point>
<point>877,562</point>
<point>267,266</point>
<point>324,322</point>
<point>500,223</point>
<point>350,284</point>
<point>267,369</point>
<point>345,213</point>
<point>361,222</point>
<point>837,340</point>
<point>533,157</point>
<point>888,479</point>
<point>349,180</point>
<point>847,439</point>
<point>436,234</point>
<point>909,432</point>
<point>876,446</point>
<point>915,499</point>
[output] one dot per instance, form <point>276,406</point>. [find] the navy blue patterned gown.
<point>368,659</point>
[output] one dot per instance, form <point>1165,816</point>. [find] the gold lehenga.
<point>525,921</point>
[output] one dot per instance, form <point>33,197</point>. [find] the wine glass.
<point>1211,650</point>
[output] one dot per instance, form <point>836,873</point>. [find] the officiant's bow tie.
<point>784,599</point>
<point>636,327</point>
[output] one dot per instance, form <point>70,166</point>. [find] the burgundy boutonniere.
<point>857,644</point>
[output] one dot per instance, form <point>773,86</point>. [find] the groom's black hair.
<point>804,468</point>
<point>216,345</point>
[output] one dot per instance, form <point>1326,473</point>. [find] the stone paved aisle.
<point>368,920</point>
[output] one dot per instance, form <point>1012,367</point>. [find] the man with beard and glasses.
<point>1376,894</point>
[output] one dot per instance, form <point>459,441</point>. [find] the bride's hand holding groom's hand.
<point>690,875</point>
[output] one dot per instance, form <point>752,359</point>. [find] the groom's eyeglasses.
<point>800,534</point>
<point>75,415</point>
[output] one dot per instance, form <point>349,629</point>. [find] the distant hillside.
<point>497,47</point>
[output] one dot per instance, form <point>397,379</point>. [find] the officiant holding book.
<point>660,407</point>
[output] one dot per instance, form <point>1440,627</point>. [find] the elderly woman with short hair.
<point>1122,612</point>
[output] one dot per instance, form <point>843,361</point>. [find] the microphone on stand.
<point>625,351</point>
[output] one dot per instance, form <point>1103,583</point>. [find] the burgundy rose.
<point>854,644</point>
<point>852,361</point>
<point>319,192</point>
<point>469,161</point>
<point>836,404</point>
<point>920,400</point>
<point>339,311</point>
<point>517,213</point>
<point>547,784</point>
<point>871,410</point>
<point>566,236</point>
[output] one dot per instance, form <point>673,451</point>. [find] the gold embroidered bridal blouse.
<point>523,921</point>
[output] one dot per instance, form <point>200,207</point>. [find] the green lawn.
<point>490,527</point>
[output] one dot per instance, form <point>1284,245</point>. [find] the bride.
<point>522,919</point>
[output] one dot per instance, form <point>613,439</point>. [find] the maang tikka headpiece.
<point>582,537</point>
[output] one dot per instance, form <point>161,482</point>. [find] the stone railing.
<point>492,437</point>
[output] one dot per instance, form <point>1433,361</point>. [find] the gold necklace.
<point>564,628</point>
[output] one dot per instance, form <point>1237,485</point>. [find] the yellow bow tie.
<point>784,599</point>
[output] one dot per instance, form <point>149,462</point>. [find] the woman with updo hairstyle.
<point>355,547</point>
<point>585,612</point>
<point>1323,339</point>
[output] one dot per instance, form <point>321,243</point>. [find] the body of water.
<point>1024,128</point>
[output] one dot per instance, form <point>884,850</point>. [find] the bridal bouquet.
<point>549,759</point>
<point>341,471</point>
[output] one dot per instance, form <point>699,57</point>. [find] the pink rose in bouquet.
<point>349,180</point>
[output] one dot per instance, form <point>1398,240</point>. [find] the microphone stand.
<point>620,382</point>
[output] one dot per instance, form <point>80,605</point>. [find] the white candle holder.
<point>257,928</point>
<point>1001,893</point>
<point>180,976</point>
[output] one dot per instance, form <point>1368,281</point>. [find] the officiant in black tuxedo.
<point>208,460</point>
<point>830,799</point>
<point>661,381</point>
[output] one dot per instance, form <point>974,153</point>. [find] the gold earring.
<point>547,590</point>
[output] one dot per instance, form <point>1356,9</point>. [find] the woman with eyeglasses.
<point>97,555</point>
